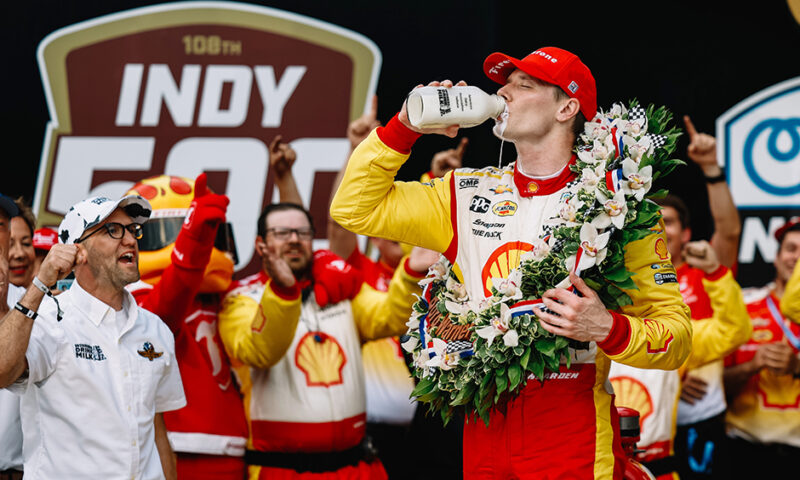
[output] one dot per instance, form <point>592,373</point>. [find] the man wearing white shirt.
<point>94,370</point>
<point>10,427</point>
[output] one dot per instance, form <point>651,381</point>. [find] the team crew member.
<point>762,378</point>
<point>94,370</point>
<point>10,427</point>
<point>565,427</point>
<point>655,393</point>
<point>790,302</point>
<point>298,327</point>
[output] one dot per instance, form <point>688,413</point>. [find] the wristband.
<point>46,290</point>
<point>40,285</point>
<point>26,311</point>
<point>716,178</point>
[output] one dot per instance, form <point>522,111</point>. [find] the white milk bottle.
<point>434,107</point>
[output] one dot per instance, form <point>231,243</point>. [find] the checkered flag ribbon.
<point>459,346</point>
<point>658,141</point>
<point>636,113</point>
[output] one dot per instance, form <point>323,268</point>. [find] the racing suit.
<point>763,418</point>
<point>482,220</point>
<point>790,301</point>
<point>302,375</point>
<point>720,324</point>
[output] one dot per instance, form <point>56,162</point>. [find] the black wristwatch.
<point>716,178</point>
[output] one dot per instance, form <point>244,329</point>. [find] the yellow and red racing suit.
<point>300,366</point>
<point>767,409</point>
<point>790,301</point>
<point>720,324</point>
<point>482,220</point>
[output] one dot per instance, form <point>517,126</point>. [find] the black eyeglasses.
<point>286,233</point>
<point>116,231</point>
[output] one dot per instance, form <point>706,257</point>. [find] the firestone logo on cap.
<point>545,55</point>
<point>496,69</point>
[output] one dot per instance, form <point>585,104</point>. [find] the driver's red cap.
<point>552,65</point>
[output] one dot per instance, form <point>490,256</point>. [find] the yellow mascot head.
<point>170,198</point>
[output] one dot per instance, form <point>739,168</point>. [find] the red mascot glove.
<point>334,279</point>
<point>196,238</point>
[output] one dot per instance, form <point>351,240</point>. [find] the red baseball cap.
<point>44,238</point>
<point>793,224</point>
<point>552,65</point>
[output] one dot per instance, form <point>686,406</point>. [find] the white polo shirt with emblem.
<point>10,428</point>
<point>93,389</point>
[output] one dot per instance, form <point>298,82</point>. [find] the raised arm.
<point>281,159</point>
<point>730,325</point>
<point>727,226</point>
<point>259,331</point>
<point>16,326</point>
<point>343,242</point>
<point>370,202</point>
<point>180,281</point>
<point>383,314</point>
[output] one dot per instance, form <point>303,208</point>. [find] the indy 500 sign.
<point>759,143</point>
<point>190,87</point>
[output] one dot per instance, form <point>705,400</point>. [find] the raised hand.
<point>359,128</point>
<point>281,157</point>
<point>449,159</point>
<point>702,149</point>
<point>701,255</point>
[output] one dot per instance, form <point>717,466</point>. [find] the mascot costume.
<point>186,259</point>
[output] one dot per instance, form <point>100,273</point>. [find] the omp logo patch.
<point>468,183</point>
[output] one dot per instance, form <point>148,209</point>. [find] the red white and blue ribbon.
<point>614,179</point>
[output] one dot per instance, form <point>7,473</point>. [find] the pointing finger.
<point>273,146</point>
<point>462,146</point>
<point>373,110</point>
<point>690,127</point>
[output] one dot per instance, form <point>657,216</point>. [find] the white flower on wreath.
<point>509,288</point>
<point>539,252</point>
<point>441,359</point>
<point>499,326</point>
<point>410,344</point>
<point>638,181</point>
<point>437,271</point>
<point>617,111</point>
<point>567,212</point>
<point>601,151</point>
<point>413,320</point>
<point>635,128</point>
<point>595,130</point>
<point>591,178</point>
<point>455,290</point>
<point>637,148</point>
<point>594,248</point>
<point>614,211</point>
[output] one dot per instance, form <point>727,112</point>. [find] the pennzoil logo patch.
<point>149,352</point>
<point>505,208</point>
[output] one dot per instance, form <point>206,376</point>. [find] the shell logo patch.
<point>533,187</point>
<point>320,357</point>
<point>506,208</point>
<point>149,352</point>
<point>504,259</point>
<point>661,249</point>
<point>632,393</point>
<point>778,392</point>
<point>658,336</point>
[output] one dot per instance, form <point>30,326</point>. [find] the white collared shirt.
<point>10,428</point>
<point>92,390</point>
